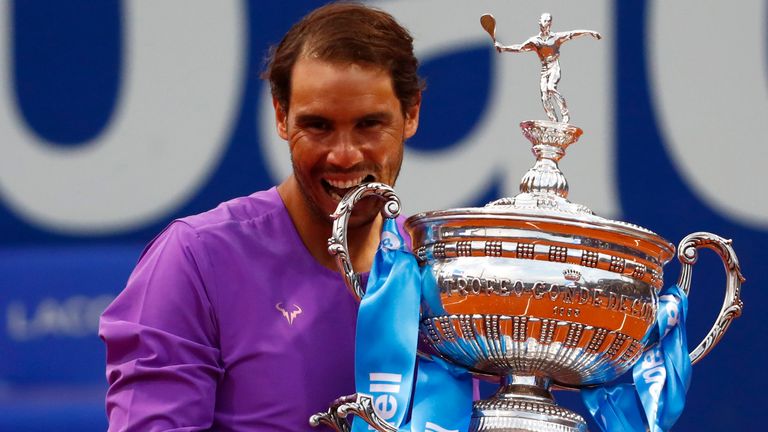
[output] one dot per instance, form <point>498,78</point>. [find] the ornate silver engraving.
<point>331,417</point>
<point>547,331</point>
<point>464,248</point>
<point>359,404</point>
<point>632,353</point>
<point>558,253</point>
<point>363,408</point>
<point>597,340</point>
<point>550,409</point>
<point>439,250</point>
<point>589,258</point>
<point>639,271</point>
<point>544,186</point>
<point>337,244</point>
<point>617,264</point>
<point>732,305</point>
<point>616,345</point>
<point>571,274</point>
<point>520,329</point>
<point>525,250</point>
<point>524,403</point>
<point>574,334</point>
<point>493,248</point>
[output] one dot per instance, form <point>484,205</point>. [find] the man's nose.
<point>345,152</point>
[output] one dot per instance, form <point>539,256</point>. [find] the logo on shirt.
<point>289,315</point>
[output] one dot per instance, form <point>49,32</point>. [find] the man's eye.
<point>369,123</point>
<point>320,126</point>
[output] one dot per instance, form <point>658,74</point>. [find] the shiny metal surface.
<point>524,403</point>
<point>546,45</point>
<point>732,304</point>
<point>535,289</point>
<point>359,404</point>
<point>337,244</point>
<point>331,418</point>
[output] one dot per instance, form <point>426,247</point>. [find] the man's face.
<point>344,126</point>
<point>545,22</point>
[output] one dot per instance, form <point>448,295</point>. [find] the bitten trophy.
<point>534,289</point>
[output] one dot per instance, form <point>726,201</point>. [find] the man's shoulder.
<point>245,218</point>
<point>250,210</point>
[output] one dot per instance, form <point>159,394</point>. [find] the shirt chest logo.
<point>289,314</point>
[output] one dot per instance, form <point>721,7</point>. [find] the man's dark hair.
<point>347,32</point>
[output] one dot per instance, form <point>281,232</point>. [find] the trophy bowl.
<point>539,291</point>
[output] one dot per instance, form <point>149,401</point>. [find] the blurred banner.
<point>116,117</point>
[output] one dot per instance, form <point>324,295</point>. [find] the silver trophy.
<point>534,289</point>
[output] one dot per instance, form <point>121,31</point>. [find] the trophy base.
<point>524,404</point>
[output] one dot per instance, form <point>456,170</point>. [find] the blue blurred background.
<point>118,116</point>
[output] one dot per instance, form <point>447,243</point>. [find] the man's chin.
<point>359,220</point>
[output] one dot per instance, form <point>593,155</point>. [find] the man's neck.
<point>314,231</point>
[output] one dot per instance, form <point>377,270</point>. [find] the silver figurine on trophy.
<point>547,46</point>
<point>534,289</point>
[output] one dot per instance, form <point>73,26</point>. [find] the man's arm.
<point>566,36</point>
<point>163,360</point>
<point>528,45</point>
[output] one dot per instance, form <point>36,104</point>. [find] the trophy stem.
<point>544,186</point>
<point>524,403</point>
<point>549,142</point>
<point>523,387</point>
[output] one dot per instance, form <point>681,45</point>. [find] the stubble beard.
<point>325,220</point>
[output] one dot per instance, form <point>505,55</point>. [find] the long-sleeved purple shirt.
<point>228,323</point>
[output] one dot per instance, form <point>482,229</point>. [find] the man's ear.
<point>281,119</point>
<point>412,117</point>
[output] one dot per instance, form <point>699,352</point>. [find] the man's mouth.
<point>338,188</point>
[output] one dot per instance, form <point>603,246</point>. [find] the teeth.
<point>345,184</point>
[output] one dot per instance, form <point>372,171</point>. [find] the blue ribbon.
<point>443,398</point>
<point>386,335</point>
<point>661,377</point>
<point>385,351</point>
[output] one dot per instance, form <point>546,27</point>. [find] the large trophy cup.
<point>535,289</point>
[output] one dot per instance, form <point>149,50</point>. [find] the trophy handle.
<point>337,244</point>
<point>330,419</point>
<point>688,253</point>
<point>358,403</point>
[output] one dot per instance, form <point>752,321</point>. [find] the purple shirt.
<point>228,323</point>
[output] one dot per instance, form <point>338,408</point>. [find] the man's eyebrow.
<point>310,118</point>
<point>382,116</point>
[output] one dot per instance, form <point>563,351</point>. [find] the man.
<point>237,319</point>
<point>547,46</point>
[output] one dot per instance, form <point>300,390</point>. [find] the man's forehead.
<point>319,85</point>
<point>311,72</point>
<point>316,59</point>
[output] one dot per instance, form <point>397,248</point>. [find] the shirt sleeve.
<point>163,360</point>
